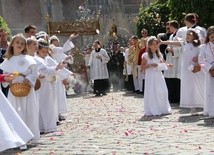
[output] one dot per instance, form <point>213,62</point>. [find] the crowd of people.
<point>33,77</point>
<point>172,67</point>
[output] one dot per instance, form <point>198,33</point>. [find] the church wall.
<point>19,13</point>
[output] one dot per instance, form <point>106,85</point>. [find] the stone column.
<point>57,12</point>
<point>44,12</point>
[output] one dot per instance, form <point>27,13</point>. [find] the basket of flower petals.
<point>20,89</point>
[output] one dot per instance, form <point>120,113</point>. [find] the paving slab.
<point>113,125</point>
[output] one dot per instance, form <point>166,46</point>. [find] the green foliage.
<point>174,10</point>
<point>153,18</point>
<point>204,9</point>
<point>4,25</point>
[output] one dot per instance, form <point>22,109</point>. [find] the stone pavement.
<point>112,125</point>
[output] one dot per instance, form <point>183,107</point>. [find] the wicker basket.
<point>20,89</point>
<point>37,84</point>
<point>212,72</point>
<point>196,68</point>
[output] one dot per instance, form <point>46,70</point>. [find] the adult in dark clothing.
<point>116,70</point>
<point>173,56</point>
<point>164,37</point>
<point>3,48</point>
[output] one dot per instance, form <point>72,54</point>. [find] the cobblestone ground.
<point>112,125</point>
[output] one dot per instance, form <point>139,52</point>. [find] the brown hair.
<point>28,27</point>
<point>31,40</point>
<point>210,31</point>
<point>149,43</point>
<point>97,42</point>
<point>10,52</point>
<point>4,31</point>
<point>191,17</point>
<point>43,44</point>
<point>196,41</point>
<point>174,23</point>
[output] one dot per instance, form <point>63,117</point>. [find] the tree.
<point>160,11</point>
<point>204,9</point>
<point>153,18</point>
<point>4,25</point>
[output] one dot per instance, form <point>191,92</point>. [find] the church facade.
<point>123,13</point>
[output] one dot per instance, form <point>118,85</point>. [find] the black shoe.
<point>104,94</point>
<point>58,123</point>
<point>140,92</point>
<point>61,117</point>
<point>136,91</point>
<point>98,95</point>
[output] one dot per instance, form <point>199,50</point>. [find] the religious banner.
<point>83,27</point>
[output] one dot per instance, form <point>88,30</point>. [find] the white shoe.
<point>23,147</point>
<point>34,142</point>
<point>193,111</point>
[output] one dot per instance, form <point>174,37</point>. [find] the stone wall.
<point>18,13</point>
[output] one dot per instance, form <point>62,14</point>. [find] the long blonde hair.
<point>149,43</point>
<point>10,51</point>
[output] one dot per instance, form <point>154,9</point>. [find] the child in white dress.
<point>206,59</point>
<point>13,131</point>
<point>156,94</point>
<point>17,61</point>
<point>192,77</point>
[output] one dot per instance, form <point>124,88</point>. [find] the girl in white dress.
<point>17,61</point>
<point>58,54</point>
<point>42,68</point>
<point>192,80</point>
<point>13,131</point>
<point>206,59</point>
<point>156,94</point>
<point>47,112</point>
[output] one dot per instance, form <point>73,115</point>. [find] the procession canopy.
<point>84,27</point>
